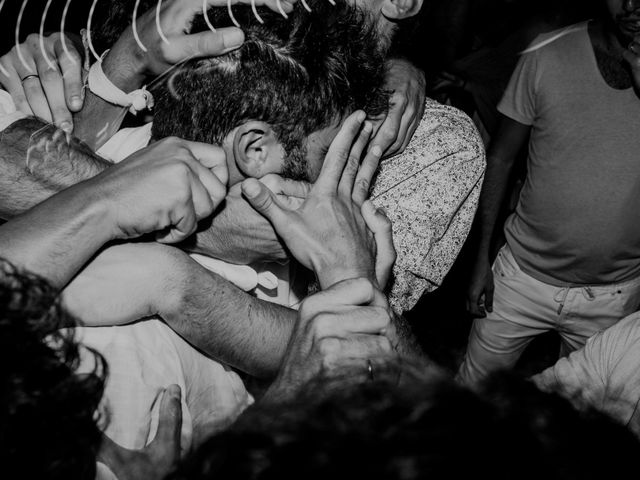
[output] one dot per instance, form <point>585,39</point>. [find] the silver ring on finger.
<point>28,77</point>
<point>370,370</point>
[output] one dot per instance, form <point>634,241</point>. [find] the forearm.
<point>492,197</point>
<point>36,161</point>
<point>56,238</point>
<point>231,325</point>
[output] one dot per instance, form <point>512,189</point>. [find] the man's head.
<point>48,424</point>
<point>426,427</point>
<point>624,18</point>
<point>276,103</point>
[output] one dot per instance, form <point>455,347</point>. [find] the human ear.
<point>257,150</point>
<point>401,9</point>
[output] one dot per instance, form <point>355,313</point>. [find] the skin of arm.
<point>501,157</point>
<point>228,324</point>
<point>38,160</point>
<point>511,137</point>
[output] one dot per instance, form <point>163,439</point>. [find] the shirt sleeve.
<point>519,99</point>
<point>430,193</point>
<point>8,112</point>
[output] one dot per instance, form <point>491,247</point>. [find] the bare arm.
<point>36,161</point>
<point>511,137</point>
<point>231,325</point>
<point>164,188</point>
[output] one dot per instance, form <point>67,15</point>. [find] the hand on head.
<point>48,83</point>
<point>340,329</point>
<point>327,232</point>
<point>165,188</point>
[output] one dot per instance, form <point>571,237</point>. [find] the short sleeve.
<point>519,99</point>
<point>8,112</point>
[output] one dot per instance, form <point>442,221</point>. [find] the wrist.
<point>330,275</point>
<point>124,66</point>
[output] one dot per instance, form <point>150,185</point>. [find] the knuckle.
<point>320,325</point>
<point>32,39</point>
<point>328,347</point>
<point>49,74</point>
<point>384,344</point>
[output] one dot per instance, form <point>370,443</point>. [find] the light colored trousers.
<point>524,307</point>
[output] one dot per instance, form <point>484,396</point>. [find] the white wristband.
<point>102,87</point>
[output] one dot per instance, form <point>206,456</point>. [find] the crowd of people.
<point>216,217</point>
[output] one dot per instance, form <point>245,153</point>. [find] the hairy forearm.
<point>231,325</point>
<point>36,161</point>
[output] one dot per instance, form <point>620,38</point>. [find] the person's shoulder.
<point>557,40</point>
<point>448,131</point>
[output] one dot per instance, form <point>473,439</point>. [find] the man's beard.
<point>295,165</point>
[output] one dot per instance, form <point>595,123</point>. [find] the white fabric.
<point>101,86</point>
<point>8,111</point>
<point>143,359</point>
<point>605,374</point>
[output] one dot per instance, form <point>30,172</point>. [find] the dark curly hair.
<point>425,427</point>
<point>48,420</point>
<point>299,75</point>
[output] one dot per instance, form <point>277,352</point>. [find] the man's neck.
<point>608,50</point>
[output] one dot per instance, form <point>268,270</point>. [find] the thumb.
<point>380,226</point>
<point>170,424</point>
<point>264,201</point>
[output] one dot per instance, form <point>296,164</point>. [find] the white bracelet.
<point>102,87</point>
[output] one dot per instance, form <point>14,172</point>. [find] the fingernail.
<point>251,187</point>
<point>76,101</point>
<point>66,127</point>
<point>376,150</point>
<point>361,116</point>
<point>233,38</point>
<point>367,127</point>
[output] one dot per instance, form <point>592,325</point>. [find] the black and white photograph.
<point>319,239</point>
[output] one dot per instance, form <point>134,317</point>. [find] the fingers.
<point>345,186</point>
<point>380,225</point>
<point>13,86</point>
<point>357,291</point>
<point>403,138</point>
<point>286,186</point>
<point>170,423</point>
<point>351,320</point>
<point>488,298</point>
<point>53,87</point>
<point>203,44</point>
<point>71,66</point>
<point>354,352</point>
<point>265,202</point>
<point>388,131</point>
<point>211,169</point>
<point>184,223</point>
<point>31,84</point>
<point>338,154</point>
<point>365,175</point>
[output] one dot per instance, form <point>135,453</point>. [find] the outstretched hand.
<point>158,458</point>
<point>327,232</point>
